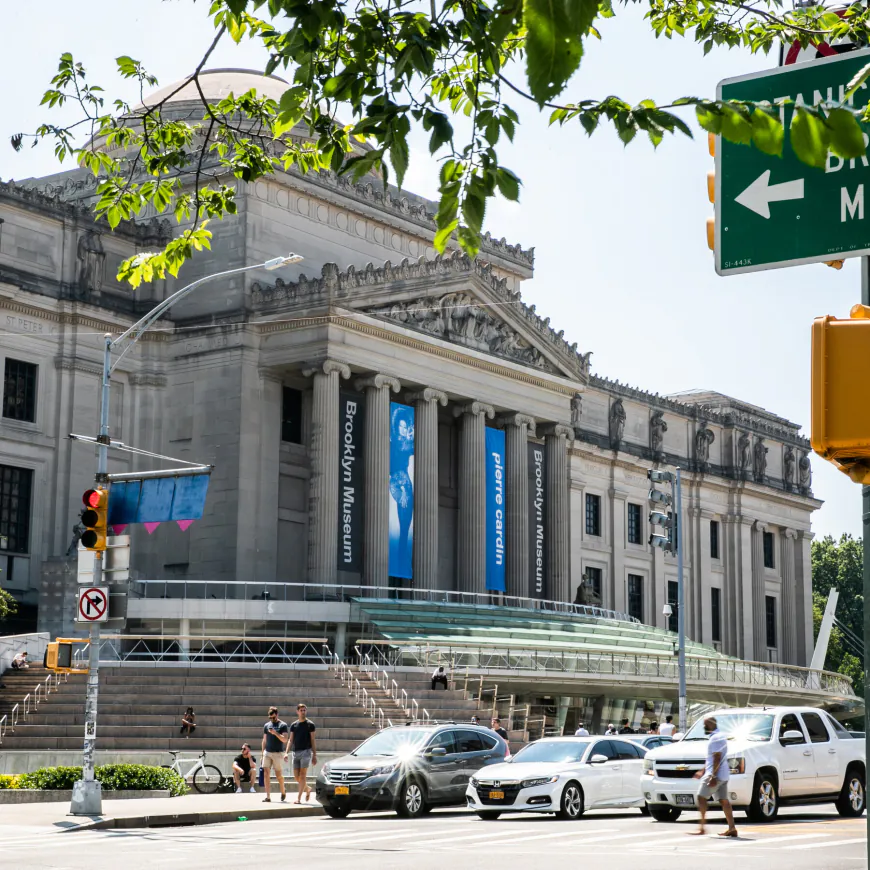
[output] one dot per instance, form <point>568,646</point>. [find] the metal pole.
<point>681,601</point>
<point>865,501</point>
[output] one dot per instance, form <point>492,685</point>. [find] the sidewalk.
<point>192,809</point>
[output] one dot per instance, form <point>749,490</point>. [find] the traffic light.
<point>711,194</point>
<point>95,519</point>
<point>58,656</point>
<point>658,518</point>
<point>840,403</point>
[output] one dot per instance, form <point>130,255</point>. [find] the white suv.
<point>777,756</point>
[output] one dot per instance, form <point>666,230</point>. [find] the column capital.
<point>476,409</point>
<point>326,367</point>
<point>789,533</point>
<point>518,420</point>
<point>378,381</point>
<point>558,429</point>
<point>759,526</point>
<point>429,394</point>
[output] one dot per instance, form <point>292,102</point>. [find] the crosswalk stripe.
<point>549,836</point>
<point>773,839</point>
<point>583,841</point>
<point>829,843</point>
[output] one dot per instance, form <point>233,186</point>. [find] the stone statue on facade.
<point>576,410</point>
<point>657,429</point>
<point>78,530</point>
<point>616,423</point>
<point>92,260</point>
<point>743,445</point>
<point>788,461</point>
<point>704,437</point>
<point>759,461</point>
<point>805,472</point>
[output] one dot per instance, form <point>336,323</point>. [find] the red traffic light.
<point>92,498</point>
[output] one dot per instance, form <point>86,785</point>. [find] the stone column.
<point>323,485</point>
<point>758,588</point>
<point>471,540</point>
<point>789,617</point>
<point>376,545</point>
<point>426,486</point>
<point>804,598</point>
<point>517,429</point>
<point>558,521</point>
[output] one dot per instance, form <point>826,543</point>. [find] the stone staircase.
<point>18,684</point>
<point>140,709</point>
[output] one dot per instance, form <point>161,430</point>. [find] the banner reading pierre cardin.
<point>352,419</point>
<point>495,508</point>
<point>537,522</point>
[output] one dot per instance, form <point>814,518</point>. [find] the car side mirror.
<point>791,737</point>
<point>598,759</point>
<point>437,752</point>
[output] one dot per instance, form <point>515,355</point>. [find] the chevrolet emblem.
<point>682,767</point>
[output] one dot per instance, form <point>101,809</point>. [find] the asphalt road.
<point>622,840</point>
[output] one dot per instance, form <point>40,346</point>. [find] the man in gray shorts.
<point>304,746</point>
<point>714,778</point>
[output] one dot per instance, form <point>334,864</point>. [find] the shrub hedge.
<point>114,777</point>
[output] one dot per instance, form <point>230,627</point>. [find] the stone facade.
<point>373,309</point>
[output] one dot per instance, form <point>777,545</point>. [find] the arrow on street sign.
<point>761,193</point>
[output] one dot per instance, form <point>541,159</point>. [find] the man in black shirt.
<point>496,726</point>
<point>275,737</point>
<point>626,728</point>
<point>304,747</point>
<point>244,769</point>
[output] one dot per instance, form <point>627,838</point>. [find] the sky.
<point>621,261</point>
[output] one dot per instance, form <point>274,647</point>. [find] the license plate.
<point>496,795</point>
<point>685,800</point>
<point>342,789</point>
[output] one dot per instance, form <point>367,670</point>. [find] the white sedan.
<point>561,775</point>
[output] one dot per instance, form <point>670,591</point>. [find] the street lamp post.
<point>87,797</point>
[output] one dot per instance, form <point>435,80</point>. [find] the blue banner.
<point>495,510</point>
<point>158,500</point>
<point>401,491</point>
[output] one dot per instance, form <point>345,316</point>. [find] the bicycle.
<point>206,778</point>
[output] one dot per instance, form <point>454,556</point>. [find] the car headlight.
<point>737,765</point>
<point>475,781</point>
<point>325,769</point>
<point>385,769</point>
<point>538,780</point>
<point>649,767</point>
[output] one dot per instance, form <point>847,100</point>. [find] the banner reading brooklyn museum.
<point>401,490</point>
<point>537,522</point>
<point>352,422</point>
<point>495,508</point>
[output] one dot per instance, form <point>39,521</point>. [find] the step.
<point>132,734</point>
<point>194,744</point>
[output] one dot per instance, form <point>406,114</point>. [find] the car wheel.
<point>488,817</point>
<point>853,796</point>
<point>571,806</point>
<point>764,805</point>
<point>412,800</point>
<point>337,812</point>
<point>664,813</point>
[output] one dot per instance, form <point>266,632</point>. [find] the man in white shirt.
<point>581,730</point>
<point>667,730</point>
<point>714,778</point>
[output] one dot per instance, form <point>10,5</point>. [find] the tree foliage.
<point>457,69</point>
<point>8,605</point>
<point>840,565</point>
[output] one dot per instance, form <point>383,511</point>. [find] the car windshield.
<point>554,752</point>
<point>394,741</point>
<point>740,726</point>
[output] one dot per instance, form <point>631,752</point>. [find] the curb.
<point>202,818</point>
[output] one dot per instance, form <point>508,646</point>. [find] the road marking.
<point>829,843</point>
<point>580,840</point>
<point>563,833</point>
<point>773,839</point>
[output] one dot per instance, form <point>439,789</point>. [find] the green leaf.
<point>508,184</point>
<point>442,131</point>
<point>810,137</point>
<point>767,132</point>
<point>857,80</point>
<point>399,158</point>
<point>474,204</point>
<point>847,137</point>
<point>443,236</point>
<point>736,127</point>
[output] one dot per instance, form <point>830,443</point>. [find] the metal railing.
<point>378,674</point>
<point>196,650</point>
<point>359,692</point>
<point>29,703</point>
<point>621,665</point>
<point>242,590</point>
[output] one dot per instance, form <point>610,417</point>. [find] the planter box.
<point>42,796</point>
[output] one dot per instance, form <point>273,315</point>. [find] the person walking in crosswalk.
<point>714,778</point>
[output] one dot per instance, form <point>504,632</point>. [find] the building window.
<point>634,524</point>
<point>19,391</point>
<point>593,515</point>
<point>768,550</point>
<point>15,489</point>
<point>673,600</point>
<point>770,613</point>
<point>714,539</point>
<point>635,596</point>
<point>291,416</point>
<point>593,582</point>
<point>716,613</point>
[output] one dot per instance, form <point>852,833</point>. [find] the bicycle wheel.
<point>207,780</point>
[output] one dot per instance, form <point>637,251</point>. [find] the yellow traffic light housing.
<point>840,406</point>
<point>95,519</point>
<point>58,656</point>
<point>711,194</point>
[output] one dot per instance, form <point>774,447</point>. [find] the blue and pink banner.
<point>401,561</point>
<point>495,510</point>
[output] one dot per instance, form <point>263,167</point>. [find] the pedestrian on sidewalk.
<point>626,728</point>
<point>276,734</point>
<point>304,747</point>
<point>714,778</point>
<point>654,728</point>
<point>439,675</point>
<point>611,730</point>
<point>581,730</point>
<point>244,768</point>
<point>496,726</point>
<point>668,729</point>
<point>188,722</point>
<point>19,663</point>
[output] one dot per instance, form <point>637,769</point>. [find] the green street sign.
<point>776,211</point>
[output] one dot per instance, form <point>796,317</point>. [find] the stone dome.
<point>217,84</point>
